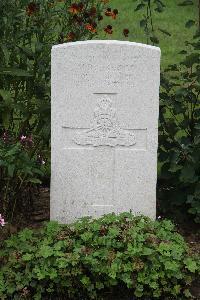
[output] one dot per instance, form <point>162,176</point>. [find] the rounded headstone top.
<point>105,42</point>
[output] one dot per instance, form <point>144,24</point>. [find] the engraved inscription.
<point>106,130</point>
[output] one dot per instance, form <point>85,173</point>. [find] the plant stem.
<point>151,18</point>
<point>199,15</point>
<point>147,25</point>
<point>15,197</point>
<point>5,195</point>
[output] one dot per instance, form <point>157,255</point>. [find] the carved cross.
<point>106,138</point>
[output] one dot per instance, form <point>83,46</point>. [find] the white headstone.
<point>105,99</point>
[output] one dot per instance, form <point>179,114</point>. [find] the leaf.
<point>189,23</point>
<point>139,6</point>
<point>6,52</point>
<point>11,169</point>
<point>143,23</point>
<point>45,251</point>
<point>35,180</point>
<point>187,293</point>
<point>190,264</point>
<point>6,95</point>
<point>187,173</point>
<point>186,2</point>
<point>27,51</point>
<point>174,168</point>
<point>183,52</point>
<point>62,262</point>
<point>127,278</point>
<point>147,251</point>
<point>164,31</point>
<point>27,257</point>
<point>154,39</point>
<point>53,273</point>
<point>190,198</point>
<point>182,92</point>
<point>6,107</point>
<point>12,151</point>
<point>85,280</point>
<point>197,140</point>
<point>160,6</point>
<point>177,289</point>
<point>15,72</point>
<point>171,265</point>
<point>25,235</point>
<point>191,59</point>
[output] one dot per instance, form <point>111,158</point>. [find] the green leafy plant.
<point>149,8</point>
<point>91,259</point>
<point>179,133</point>
<point>28,31</point>
<point>21,166</point>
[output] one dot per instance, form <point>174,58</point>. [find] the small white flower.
<point>23,137</point>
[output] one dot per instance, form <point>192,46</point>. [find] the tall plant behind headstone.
<point>27,32</point>
<point>178,155</point>
<point>179,134</point>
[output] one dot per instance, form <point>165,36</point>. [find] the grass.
<point>172,19</point>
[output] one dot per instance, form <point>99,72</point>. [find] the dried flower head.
<point>108,12</point>
<point>78,20</point>
<point>32,8</point>
<point>91,28</point>
<point>86,14</point>
<point>76,8</point>
<point>92,11</point>
<point>126,32</point>
<point>111,13</point>
<point>114,13</point>
<point>100,18</point>
<point>108,29</point>
<point>71,36</point>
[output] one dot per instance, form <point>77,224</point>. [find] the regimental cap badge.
<point>106,130</point>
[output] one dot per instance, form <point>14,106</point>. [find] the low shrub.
<point>92,259</point>
<point>21,166</point>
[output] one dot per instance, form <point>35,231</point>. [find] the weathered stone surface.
<point>105,98</point>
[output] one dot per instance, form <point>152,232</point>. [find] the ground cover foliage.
<point>90,259</point>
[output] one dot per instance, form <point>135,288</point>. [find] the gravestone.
<point>105,99</point>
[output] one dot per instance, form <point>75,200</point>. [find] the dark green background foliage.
<point>27,32</point>
<point>90,259</point>
<point>179,126</point>
<point>179,131</point>
<point>179,136</point>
